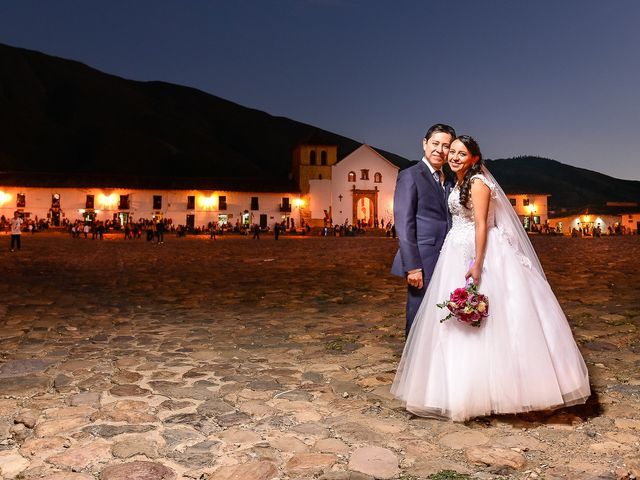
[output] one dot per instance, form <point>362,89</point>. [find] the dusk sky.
<point>555,78</point>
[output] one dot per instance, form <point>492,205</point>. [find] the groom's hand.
<point>414,278</point>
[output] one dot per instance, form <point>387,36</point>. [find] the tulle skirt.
<point>522,358</point>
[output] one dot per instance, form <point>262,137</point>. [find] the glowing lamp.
<point>4,197</point>
<point>108,200</point>
<point>208,202</point>
<point>298,202</point>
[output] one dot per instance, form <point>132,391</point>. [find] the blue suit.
<point>422,220</point>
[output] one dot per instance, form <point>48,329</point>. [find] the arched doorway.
<point>365,206</point>
<point>364,210</point>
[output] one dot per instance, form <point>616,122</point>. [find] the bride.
<point>523,357</point>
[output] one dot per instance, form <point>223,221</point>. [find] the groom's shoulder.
<point>412,168</point>
<point>410,171</point>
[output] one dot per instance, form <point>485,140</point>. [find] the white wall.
<point>174,203</point>
<point>320,194</point>
<point>538,202</point>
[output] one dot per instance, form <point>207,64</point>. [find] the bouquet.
<point>467,305</point>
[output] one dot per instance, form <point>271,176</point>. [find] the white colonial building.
<point>122,200</point>
<point>531,208</point>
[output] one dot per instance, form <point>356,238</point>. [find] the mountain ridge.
<point>63,116</point>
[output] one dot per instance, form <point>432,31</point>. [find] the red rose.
<point>459,296</point>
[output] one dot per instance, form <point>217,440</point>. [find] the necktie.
<point>437,175</point>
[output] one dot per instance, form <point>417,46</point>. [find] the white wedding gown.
<point>522,358</point>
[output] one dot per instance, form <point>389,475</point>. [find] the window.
<point>222,202</point>
<point>351,177</point>
<point>191,202</point>
<point>254,203</point>
<point>377,177</point>
<point>513,201</point>
<point>319,176</point>
<point>55,200</point>
<point>21,200</point>
<point>364,174</point>
<point>89,202</point>
<point>525,202</point>
<point>312,157</point>
<point>323,157</point>
<point>286,206</point>
<point>124,202</point>
<point>157,202</point>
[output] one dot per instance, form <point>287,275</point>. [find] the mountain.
<point>63,116</point>
<point>66,119</point>
<point>571,188</point>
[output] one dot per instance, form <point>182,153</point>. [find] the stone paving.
<point>255,360</point>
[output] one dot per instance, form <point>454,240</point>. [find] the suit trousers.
<point>414,299</point>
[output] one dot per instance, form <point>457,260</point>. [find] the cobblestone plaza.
<point>260,359</point>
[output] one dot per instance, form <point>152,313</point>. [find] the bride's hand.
<point>475,272</point>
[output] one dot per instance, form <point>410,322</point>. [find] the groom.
<point>421,216</point>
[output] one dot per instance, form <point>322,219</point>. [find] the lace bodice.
<point>462,231</point>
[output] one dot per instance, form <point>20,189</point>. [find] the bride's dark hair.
<point>474,150</point>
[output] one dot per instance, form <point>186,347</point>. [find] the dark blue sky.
<point>556,78</point>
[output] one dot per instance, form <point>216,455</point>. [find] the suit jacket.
<point>422,219</point>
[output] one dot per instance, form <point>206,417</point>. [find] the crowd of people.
<point>154,230</point>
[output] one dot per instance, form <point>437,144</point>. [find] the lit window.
<point>364,174</point>
<point>377,177</point>
<point>352,177</point>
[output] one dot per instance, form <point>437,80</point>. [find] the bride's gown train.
<point>522,358</point>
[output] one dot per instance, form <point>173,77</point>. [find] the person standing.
<point>276,230</point>
<point>16,231</point>
<point>421,216</point>
<point>160,231</point>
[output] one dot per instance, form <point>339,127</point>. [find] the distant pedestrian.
<point>212,231</point>
<point>276,231</point>
<point>256,232</point>
<point>16,230</point>
<point>160,231</point>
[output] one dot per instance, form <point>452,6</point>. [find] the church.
<point>355,190</point>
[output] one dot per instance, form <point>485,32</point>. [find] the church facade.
<point>356,190</point>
